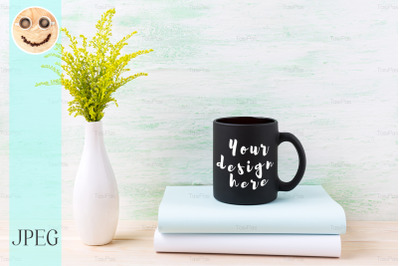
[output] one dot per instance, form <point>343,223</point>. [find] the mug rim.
<point>258,121</point>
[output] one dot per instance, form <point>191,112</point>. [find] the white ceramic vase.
<point>96,200</point>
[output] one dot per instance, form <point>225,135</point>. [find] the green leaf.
<point>92,70</point>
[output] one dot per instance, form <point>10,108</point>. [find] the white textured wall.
<point>327,70</point>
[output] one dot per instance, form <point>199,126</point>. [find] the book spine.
<point>252,227</point>
<point>256,244</point>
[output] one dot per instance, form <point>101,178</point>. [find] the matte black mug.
<point>245,160</point>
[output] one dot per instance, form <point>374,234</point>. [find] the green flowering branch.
<point>92,72</point>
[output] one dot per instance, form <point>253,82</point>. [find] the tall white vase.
<point>96,201</point>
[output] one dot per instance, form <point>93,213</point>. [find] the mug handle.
<point>286,186</point>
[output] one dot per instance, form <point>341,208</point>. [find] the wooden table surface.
<point>365,243</point>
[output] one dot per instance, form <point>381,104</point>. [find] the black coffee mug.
<point>246,160</point>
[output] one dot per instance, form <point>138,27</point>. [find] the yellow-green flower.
<point>93,71</point>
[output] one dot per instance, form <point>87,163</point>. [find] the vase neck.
<point>94,134</point>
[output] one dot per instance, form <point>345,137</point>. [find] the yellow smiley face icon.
<point>35,30</point>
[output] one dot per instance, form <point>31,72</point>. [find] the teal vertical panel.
<point>35,150</point>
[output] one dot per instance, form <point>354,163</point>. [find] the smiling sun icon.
<point>35,30</point>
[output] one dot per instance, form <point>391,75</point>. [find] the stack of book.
<point>303,222</point>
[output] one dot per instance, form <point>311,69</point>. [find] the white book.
<point>257,244</point>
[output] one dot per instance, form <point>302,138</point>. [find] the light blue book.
<point>304,210</point>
